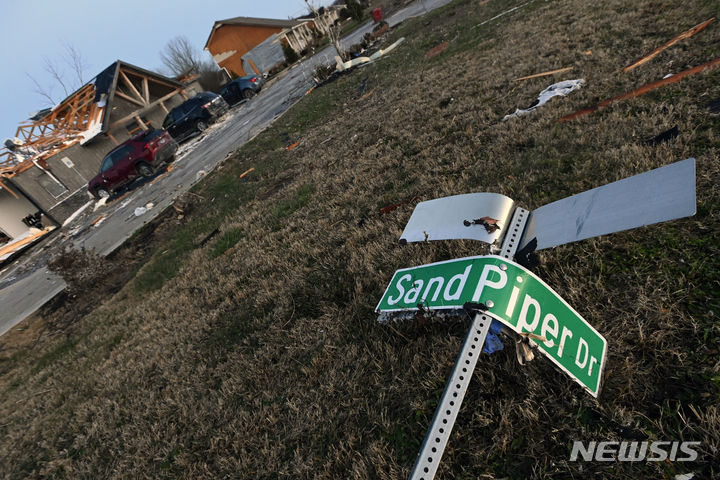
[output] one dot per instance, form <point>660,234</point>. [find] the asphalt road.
<point>28,284</point>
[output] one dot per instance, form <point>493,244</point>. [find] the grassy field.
<point>239,341</point>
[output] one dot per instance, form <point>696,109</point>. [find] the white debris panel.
<point>557,89</point>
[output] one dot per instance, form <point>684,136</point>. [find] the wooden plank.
<point>162,104</point>
<point>644,89</point>
<point>131,87</point>
<point>146,90</point>
<point>140,122</point>
<point>682,36</point>
<point>129,98</point>
<point>21,243</point>
<point>142,111</point>
<point>544,74</point>
<point>10,190</point>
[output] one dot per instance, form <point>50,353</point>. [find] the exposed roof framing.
<point>85,114</point>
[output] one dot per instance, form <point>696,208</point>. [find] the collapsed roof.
<point>79,118</point>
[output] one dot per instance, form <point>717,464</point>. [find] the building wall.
<point>239,39</point>
<point>12,211</point>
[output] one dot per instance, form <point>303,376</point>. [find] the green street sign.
<point>516,297</point>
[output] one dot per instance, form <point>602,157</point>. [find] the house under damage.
<point>45,169</point>
<point>243,45</point>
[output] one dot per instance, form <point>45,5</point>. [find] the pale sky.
<point>132,30</point>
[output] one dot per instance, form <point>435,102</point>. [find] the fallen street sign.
<point>514,296</point>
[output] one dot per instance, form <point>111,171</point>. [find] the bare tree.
<point>180,57</point>
<point>57,71</point>
<point>333,31</point>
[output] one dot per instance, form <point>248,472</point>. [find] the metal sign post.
<point>512,294</point>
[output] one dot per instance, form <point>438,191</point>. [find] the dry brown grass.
<point>261,357</point>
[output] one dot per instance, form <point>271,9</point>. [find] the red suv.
<point>137,157</point>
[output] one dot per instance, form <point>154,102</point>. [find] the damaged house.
<point>46,168</point>
<point>245,45</point>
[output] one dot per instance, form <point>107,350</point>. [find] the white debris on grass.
<point>685,476</point>
<point>557,89</point>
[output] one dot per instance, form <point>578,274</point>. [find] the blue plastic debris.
<point>492,341</point>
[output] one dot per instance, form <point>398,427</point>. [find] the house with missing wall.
<point>44,172</point>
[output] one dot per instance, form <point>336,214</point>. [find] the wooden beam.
<point>141,123</point>
<point>132,87</point>
<point>10,190</point>
<point>644,89</point>
<point>142,111</point>
<point>114,140</point>
<point>130,99</point>
<point>151,78</point>
<point>146,90</point>
<point>162,104</point>
<point>543,74</point>
<point>682,36</point>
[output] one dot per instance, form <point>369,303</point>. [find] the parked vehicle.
<point>242,88</point>
<point>139,156</point>
<point>194,116</point>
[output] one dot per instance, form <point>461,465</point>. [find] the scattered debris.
<point>643,90</point>
<point>554,90</point>
<point>100,203</point>
<point>326,140</point>
<point>490,224</point>
<point>524,349</point>
<point>342,66</point>
<point>387,50</point>
<point>200,174</point>
<point>77,213</point>
<point>201,240</point>
<point>23,241</point>
<point>98,220</point>
<point>445,102</point>
<point>435,51</point>
<point>361,88</point>
<point>149,206</point>
<point>544,74</point>
<point>395,206</point>
<point>291,146</point>
<point>379,30</point>
<point>588,52</point>
<point>366,95</point>
<point>665,136</point>
<point>657,51</point>
<point>685,476</point>
<point>500,15</point>
<point>246,173</point>
<point>492,340</point>
<point>311,89</point>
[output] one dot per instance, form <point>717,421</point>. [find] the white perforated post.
<point>438,435</point>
